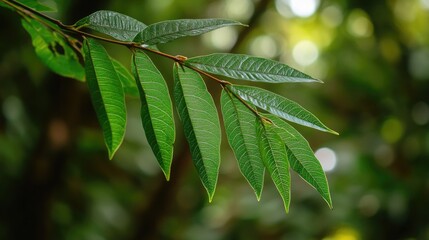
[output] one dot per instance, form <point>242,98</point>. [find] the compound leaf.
<point>156,110</point>
<point>249,68</point>
<point>167,31</point>
<point>106,94</point>
<point>240,128</point>
<point>279,106</point>
<point>200,120</point>
<point>116,25</point>
<point>302,159</point>
<point>126,79</point>
<point>53,50</point>
<point>275,159</point>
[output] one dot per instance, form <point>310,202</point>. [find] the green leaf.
<point>54,51</point>
<point>126,79</point>
<point>106,94</point>
<point>200,120</point>
<point>279,106</point>
<point>36,5</point>
<point>275,159</point>
<point>6,6</point>
<point>167,31</point>
<point>302,159</point>
<point>240,126</point>
<point>249,68</point>
<point>156,110</point>
<point>116,25</point>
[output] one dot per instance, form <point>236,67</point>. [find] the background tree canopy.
<point>57,181</point>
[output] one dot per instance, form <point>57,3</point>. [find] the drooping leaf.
<point>199,116</point>
<point>106,94</point>
<point>116,25</point>
<point>167,31</point>
<point>240,126</point>
<point>126,79</point>
<point>275,159</point>
<point>249,68</point>
<point>156,110</point>
<point>302,159</point>
<point>279,106</point>
<point>54,51</point>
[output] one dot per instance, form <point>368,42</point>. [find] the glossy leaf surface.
<point>240,126</point>
<point>249,68</point>
<point>279,106</point>
<point>275,160</point>
<point>200,120</point>
<point>156,110</point>
<point>106,94</point>
<point>167,31</point>
<point>302,159</point>
<point>116,25</point>
<point>54,51</point>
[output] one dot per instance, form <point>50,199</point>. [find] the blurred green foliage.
<point>57,181</point>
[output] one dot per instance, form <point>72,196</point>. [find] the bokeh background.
<point>56,181</point>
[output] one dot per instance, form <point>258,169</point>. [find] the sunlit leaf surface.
<point>54,51</point>
<point>116,25</point>
<point>249,68</point>
<point>167,31</point>
<point>279,106</point>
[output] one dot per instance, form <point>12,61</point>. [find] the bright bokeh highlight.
<point>359,24</point>
<point>299,8</point>
<point>327,158</point>
<point>221,39</point>
<point>303,8</point>
<point>305,52</point>
<point>264,46</point>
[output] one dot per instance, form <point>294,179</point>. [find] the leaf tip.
<point>167,176</point>
<point>329,202</point>
<point>286,208</point>
<point>258,196</point>
<point>333,132</point>
<point>211,195</point>
<point>111,154</point>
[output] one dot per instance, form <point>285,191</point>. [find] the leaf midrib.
<point>244,139</point>
<point>208,181</point>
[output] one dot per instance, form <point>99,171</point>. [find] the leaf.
<point>302,159</point>
<point>156,110</point>
<point>6,6</point>
<point>167,31</point>
<point>279,106</point>
<point>126,79</point>
<point>116,25</point>
<point>240,126</point>
<point>106,94</point>
<point>275,160</point>
<point>53,50</point>
<point>249,68</point>
<point>200,120</point>
<point>36,5</point>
